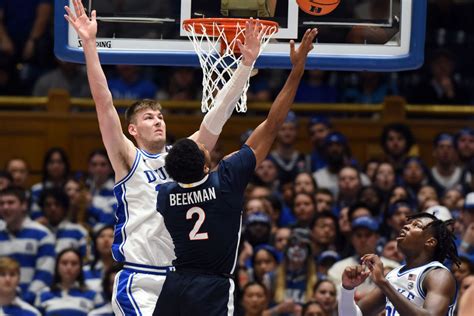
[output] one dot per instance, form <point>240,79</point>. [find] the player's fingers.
<point>240,45</point>
<point>71,15</point>
<point>93,15</point>
<point>81,7</point>
<point>77,9</point>
<point>292,46</point>
<point>305,39</point>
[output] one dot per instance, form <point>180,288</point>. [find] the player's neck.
<point>417,260</point>
<point>152,149</point>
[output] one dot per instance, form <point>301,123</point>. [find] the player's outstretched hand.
<point>354,276</point>
<point>86,28</point>
<point>254,31</point>
<point>375,266</point>
<point>298,55</point>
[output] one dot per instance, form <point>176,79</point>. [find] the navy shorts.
<point>189,293</point>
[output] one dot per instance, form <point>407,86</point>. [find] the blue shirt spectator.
<point>131,85</point>
<point>28,242</point>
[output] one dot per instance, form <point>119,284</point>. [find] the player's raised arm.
<point>262,138</point>
<point>119,148</point>
<point>228,96</point>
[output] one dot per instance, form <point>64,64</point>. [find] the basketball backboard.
<point>380,35</point>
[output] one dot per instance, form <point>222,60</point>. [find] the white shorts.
<point>136,290</point>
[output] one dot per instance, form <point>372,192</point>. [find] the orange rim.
<point>225,23</point>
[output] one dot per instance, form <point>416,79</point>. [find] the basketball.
<point>318,7</point>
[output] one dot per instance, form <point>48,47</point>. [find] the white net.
<point>217,49</point>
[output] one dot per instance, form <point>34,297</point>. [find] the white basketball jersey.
<point>409,284</point>
<point>141,237</point>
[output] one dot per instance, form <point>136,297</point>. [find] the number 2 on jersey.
<point>193,234</point>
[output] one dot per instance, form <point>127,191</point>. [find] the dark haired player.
<point>423,286</point>
<point>202,210</point>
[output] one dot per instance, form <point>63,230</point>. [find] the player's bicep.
<point>373,303</point>
<point>440,291</point>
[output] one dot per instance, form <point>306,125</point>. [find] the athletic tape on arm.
<point>226,99</point>
<point>347,306</point>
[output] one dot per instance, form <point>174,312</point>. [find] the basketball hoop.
<point>215,43</point>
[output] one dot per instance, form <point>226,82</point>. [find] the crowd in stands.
<point>307,215</point>
<point>28,66</point>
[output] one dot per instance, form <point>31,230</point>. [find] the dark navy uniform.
<point>204,220</point>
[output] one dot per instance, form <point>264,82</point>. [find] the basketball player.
<point>423,286</point>
<point>141,241</point>
<point>202,210</point>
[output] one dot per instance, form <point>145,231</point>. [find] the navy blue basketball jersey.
<point>205,218</point>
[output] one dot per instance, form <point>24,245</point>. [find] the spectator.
<point>465,269</point>
<point>396,217</point>
<point>55,204</point>
<point>78,202</point>
<point>267,173</point>
<point>182,85</point>
<point>288,159</point>
<point>397,193</point>
<point>314,88</point>
<point>10,303</point>
<point>107,285</point>
<point>101,259</point>
<point>364,239</point>
<point>55,172</point>
<point>451,199</point>
<point>67,294</point>
<point>19,170</point>
<point>384,178</point>
<point>445,173</point>
<point>257,229</point>
<point>264,260</point>
<point>390,251</point>
<point>397,141</point>
<point>337,155</point>
<point>295,277</point>
<point>282,235</point>
<point>349,185</point>
<point>415,175</point>
<point>36,257</point>
<point>324,233</point>
<point>372,197</point>
<point>324,200</point>
<point>370,167</point>
<point>6,180</point>
<point>372,89</point>
<point>318,128</point>
<point>441,87</point>
<point>130,84</point>
<point>101,188</point>
<point>426,194</point>
<point>313,308</point>
<point>304,182</point>
<point>325,261</point>
<point>464,145</point>
<point>24,34</point>
<point>254,299</point>
<point>325,293</point>
<point>304,208</point>
<point>466,239</point>
<point>67,76</point>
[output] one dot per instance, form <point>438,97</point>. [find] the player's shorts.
<point>196,294</point>
<point>136,289</point>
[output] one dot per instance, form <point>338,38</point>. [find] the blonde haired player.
<point>141,240</point>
